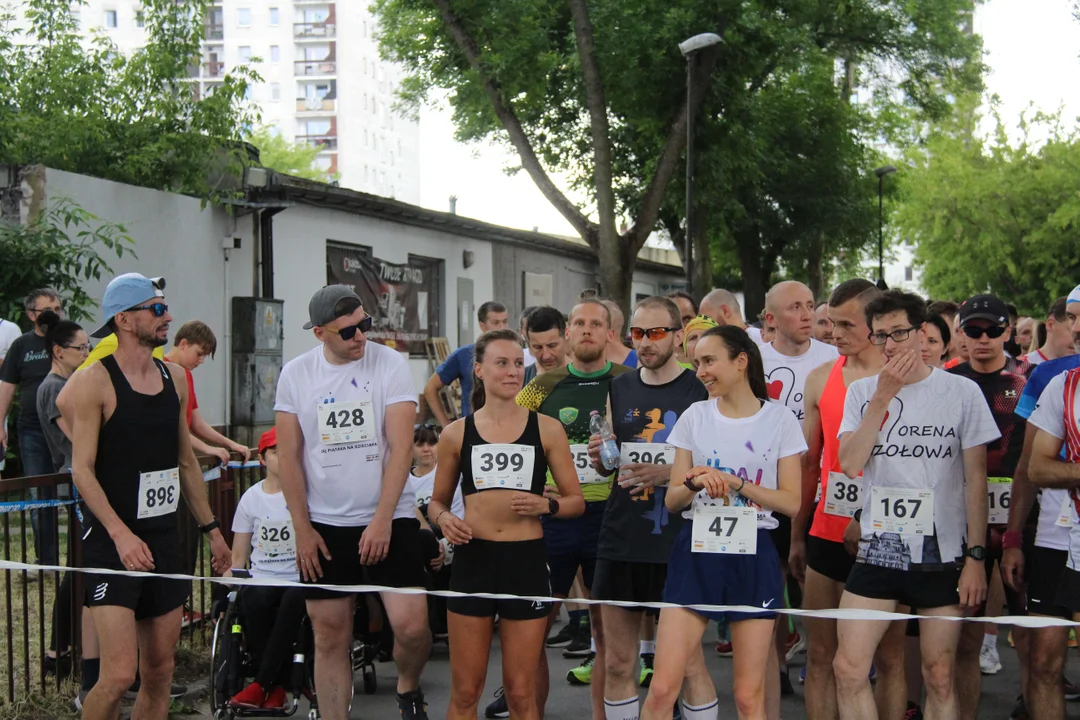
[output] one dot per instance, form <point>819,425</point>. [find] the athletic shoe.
<point>1020,711</point>
<point>77,703</point>
<point>646,669</point>
<point>802,676</point>
<point>989,661</point>
<point>252,697</point>
<point>723,648</point>
<point>786,687</point>
<point>1071,691</point>
<point>1011,643</point>
<point>175,691</point>
<point>795,645</point>
<point>580,647</point>
<point>276,700</point>
<point>582,674</point>
<point>564,637</point>
<point>498,708</point>
<point>411,705</point>
<point>1072,638</point>
<point>913,712</point>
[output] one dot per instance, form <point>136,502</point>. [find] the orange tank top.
<point>831,407</point>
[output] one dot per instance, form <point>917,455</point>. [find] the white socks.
<point>628,709</point>
<point>592,645</point>
<point>710,711</point>
<point>648,646</point>
<point>990,640</point>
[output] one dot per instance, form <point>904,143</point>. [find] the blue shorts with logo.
<point>572,543</point>
<point>717,579</point>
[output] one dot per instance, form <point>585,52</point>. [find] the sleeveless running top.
<point>831,406</point>
<point>142,436</point>
<point>530,437</point>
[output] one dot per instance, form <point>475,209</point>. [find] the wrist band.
<point>741,485</point>
<point>439,516</point>
<point>1012,540</point>
<point>690,484</point>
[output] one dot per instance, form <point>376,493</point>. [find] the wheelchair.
<point>233,666</point>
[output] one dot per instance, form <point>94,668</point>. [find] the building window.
<point>273,17</point>
<point>245,52</point>
<point>140,19</point>
<point>243,17</point>
<point>909,273</point>
<point>275,53</point>
<point>111,20</point>
<point>275,131</point>
<point>275,91</point>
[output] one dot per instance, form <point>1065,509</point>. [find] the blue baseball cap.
<point>123,293</point>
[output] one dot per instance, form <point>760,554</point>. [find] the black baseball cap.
<point>984,307</point>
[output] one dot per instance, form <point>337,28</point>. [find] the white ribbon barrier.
<point>834,614</point>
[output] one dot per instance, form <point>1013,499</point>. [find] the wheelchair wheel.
<point>218,670</point>
<point>370,681</point>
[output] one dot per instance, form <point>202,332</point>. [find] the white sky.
<point>1033,50</point>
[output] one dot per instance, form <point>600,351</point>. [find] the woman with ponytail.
<point>67,345</point>
<point>502,454</point>
<point>737,460</point>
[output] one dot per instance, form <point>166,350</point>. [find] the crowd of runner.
<point>869,451</point>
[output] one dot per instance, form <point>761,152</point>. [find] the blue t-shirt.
<point>459,366</point>
<point>1040,378</point>
<point>631,360</point>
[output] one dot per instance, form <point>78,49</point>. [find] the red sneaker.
<point>253,696</point>
<point>276,700</point>
<point>723,648</point>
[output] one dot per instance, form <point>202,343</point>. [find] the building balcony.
<point>314,31</point>
<point>325,143</point>
<point>316,105</point>
<point>215,32</point>
<point>315,68</point>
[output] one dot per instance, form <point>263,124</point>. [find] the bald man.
<point>616,351</point>
<point>724,309</point>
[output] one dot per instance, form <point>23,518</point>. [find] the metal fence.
<point>45,614</point>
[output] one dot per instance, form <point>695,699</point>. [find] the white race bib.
<point>902,511</point>
<point>724,529</point>
<point>342,422</point>
<point>585,473</point>
<point>999,499</point>
<point>503,466</point>
<point>844,495</point>
<point>1064,518</point>
<point>159,492</point>
<point>649,453</point>
<point>422,500</point>
<point>275,537</point>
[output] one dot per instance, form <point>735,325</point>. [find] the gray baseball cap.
<point>322,304</point>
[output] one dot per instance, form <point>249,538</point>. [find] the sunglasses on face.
<point>654,334</point>
<point>975,332</point>
<point>159,309</point>
<point>348,333</point>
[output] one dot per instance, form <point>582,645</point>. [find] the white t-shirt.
<point>1049,416</point>
<point>754,333</point>
<point>273,545</point>
<point>424,485</point>
<point>9,332</point>
<point>344,473</point>
<point>1035,358</point>
<point>920,446</point>
<point>748,448</point>
<point>785,376</point>
<point>529,359</point>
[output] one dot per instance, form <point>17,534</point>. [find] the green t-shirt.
<point>570,396</point>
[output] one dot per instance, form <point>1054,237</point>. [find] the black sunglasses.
<point>348,333</point>
<point>159,309</point>
<point>975,332</point>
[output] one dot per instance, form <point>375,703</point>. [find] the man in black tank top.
<point>132,461</point>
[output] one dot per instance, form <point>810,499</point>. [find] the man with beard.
<point>545,338</point>
<point>637,532</point>
<point>132,461</point>
<point>570,394</point>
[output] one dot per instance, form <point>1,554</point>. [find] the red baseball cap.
<point>268,440</point>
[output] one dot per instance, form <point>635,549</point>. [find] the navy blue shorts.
<point>715,579</point>
<point>571,543</point>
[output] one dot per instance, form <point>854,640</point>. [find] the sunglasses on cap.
<point>975,332</point>
<point>159,309</point>
<point>654,334</point>
<point>348,333</point>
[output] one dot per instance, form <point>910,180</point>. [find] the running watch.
<point>553,507</point>
<point>976,552</point>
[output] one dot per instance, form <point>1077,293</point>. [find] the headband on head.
<point>701,322</point>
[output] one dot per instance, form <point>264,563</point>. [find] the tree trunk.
<point>702,270</point>
<point>616,270</point>
<point>815,276</point>
<point>753,277</point>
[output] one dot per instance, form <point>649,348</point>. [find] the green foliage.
<point>84,107</point>
<point>995,214</point>
<point>277,153</point>
<point>58,250</point>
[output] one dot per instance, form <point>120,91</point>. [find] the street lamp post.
<point>881,172</point>
<point>689,48</point>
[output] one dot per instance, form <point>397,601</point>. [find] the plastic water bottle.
<point>609,451</point>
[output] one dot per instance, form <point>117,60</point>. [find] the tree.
<point>86,108</point>
<point>277,153</point>
<point>594,89</point>
<point>994,215</point>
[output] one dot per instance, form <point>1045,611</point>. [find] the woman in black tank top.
<point>503,454</point>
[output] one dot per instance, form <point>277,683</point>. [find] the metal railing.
<point>45,613</point>
<point>315,67</point>
<point>214,32</point>
<point>315,105</point>
<point>314,30</point>
<point>323,142</point>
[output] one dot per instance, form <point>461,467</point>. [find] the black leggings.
<point>273,617</point>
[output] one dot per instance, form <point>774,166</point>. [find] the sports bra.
<point>520,465</point>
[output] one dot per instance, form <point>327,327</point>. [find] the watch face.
<point>977,552</point>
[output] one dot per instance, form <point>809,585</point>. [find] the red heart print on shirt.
<point>775,389</point>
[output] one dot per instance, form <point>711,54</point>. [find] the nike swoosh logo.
<point>766,604</point>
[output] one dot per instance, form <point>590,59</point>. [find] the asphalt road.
<point>569,702</point>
